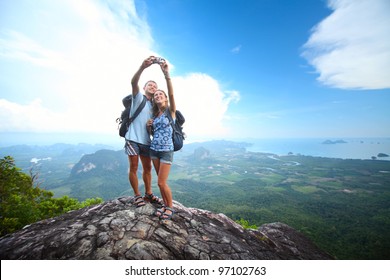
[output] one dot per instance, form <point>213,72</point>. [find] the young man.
<point>137,145</point>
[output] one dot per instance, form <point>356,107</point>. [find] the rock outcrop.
<point>116,229</point>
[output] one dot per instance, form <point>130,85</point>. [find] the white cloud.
<point>15,45</point>
<point>204,104</point>
<point>91,63</point>
<point>30,117</point>
<point>350,49</point>
<point>236,49</point>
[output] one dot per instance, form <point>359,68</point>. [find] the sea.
<point>344,148</point>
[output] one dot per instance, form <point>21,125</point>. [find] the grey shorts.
<point>164,157</point>
<point>136,149</point>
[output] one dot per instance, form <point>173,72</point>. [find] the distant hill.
<point>51,150</point>
<point>382,155</point>
<point>27,156</point>
<point>334,142</point>
<point>104,173</point>
<point>53,163</point>
<point>101,162</point>
<point>101,174</point>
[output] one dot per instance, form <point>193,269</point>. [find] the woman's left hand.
<point>165,68</point>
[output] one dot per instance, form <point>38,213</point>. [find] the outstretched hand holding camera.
<point>165,69</point>
<point>158,60</point>
<point>153,60</point>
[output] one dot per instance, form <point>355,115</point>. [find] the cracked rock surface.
<point>116,229</point>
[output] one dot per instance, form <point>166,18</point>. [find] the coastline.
<point>348,148</point>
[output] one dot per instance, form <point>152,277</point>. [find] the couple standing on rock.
<point>152,120</point>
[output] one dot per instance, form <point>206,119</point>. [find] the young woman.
<point>161,148</point>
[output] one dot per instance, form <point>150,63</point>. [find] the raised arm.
<point>172,104</point>
<point>134,81</point>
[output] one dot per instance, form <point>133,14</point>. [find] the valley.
<point>342,205</point>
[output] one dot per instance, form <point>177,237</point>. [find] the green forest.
<point>23,202</point>
<point>342,205</point>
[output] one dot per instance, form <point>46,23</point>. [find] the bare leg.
<point>147,173</point>
<point>163,173</point>
<point>133,179</point>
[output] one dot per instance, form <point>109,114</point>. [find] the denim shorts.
<point>164,157</point>
<point>136,149</point>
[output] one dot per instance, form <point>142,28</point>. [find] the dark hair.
<point>150,81</point>
<point>155,108</point>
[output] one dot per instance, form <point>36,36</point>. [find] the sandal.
<point>165,215</point>
<point>153,199</point>
<point>159,211</point>
<point>139,201</point>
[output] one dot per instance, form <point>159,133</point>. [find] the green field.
<point>342,205</point>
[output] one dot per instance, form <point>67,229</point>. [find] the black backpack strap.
<point>169,116</point>
<point>139,109</point>
<point>171,121</point>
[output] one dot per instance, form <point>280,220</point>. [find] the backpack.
<point>124,121</point>
<point>178,135</point>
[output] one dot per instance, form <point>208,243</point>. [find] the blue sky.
<point>240,69</point>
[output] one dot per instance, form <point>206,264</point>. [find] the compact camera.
<point>158,60</point>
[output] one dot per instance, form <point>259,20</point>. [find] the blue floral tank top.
<point>162,134</point>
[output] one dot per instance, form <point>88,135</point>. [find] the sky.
<point>240,68</point>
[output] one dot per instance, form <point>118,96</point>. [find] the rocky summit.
<point>116,229</point>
